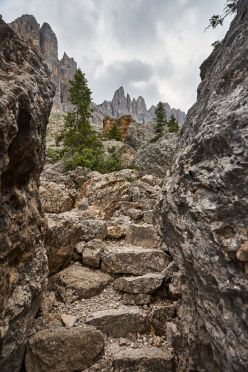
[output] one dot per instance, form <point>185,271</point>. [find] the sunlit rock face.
<point>45,40</point>
<point>204,212</point>
<point>25,102</point>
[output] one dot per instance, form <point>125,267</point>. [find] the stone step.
<point>121,356</point>
<point>144,235</point>
<point>61,349</point>
<point>77,282</point>
<point>133,260</point>
<point>145,284</point>
<point>120,322</point>
<point>144,359</point>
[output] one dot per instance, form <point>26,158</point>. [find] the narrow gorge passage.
<point>123,229</point>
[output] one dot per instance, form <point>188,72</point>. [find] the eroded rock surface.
<point>25,99</point>
<point>205,209</point>
<point>156,158</point>
<point>64,350</point>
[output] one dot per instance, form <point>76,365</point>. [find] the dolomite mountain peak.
<point>122,105</point>
<point>45,41</point>
<point>63,70</point>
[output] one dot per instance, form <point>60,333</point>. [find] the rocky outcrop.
<point>25,101</point>
<point>122,124</point>
<point>205,209</point>
<point>156,158</point>
<point>45,40</point>
<point>122,105</point>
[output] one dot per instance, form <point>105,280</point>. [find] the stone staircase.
<point>120,287</point>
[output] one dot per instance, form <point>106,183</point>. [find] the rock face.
<point>25,101</point>
<point>45,40</point>
<point>122,123</point>
<point>205,209</point>
<point>122,105</point>
<point>156,158</point>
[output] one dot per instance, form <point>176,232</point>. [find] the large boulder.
<point>25,101</point>
<point>55,198</point>
<point>133,260</point>
<point>122,151</point>
<point>63,349</point>
<point>139,134</point>
<point>205,212</point>
<point>156,158</point>
<point>77,282</point>
<point>104,192</point>
<point>67,229</point>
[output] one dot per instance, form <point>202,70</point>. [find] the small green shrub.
<point>54,154</point>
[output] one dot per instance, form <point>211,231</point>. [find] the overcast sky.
<point>152,48</point>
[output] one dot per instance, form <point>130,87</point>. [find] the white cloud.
<point>151,47</point>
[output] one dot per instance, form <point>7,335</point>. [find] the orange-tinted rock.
<point>122,124</point>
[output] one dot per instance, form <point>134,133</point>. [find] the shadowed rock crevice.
<point>21,154</point>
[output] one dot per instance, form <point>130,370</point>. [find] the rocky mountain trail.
<point>143,269</point>
<point>106,264</point>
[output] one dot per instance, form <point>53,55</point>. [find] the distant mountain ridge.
<point>122,105</point>
<point>62,71</point>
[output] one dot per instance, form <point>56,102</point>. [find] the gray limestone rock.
<point>145,284</point>
<point>64,349</point>
<point>119,322</point>
<point>77,282</point>
<point>91,253</point>
<point>25,101</point>
<point>156,158</point>
<point>144,235</point>
<point>205,209</point>
<point>137,299</point>
<point>133,260</point>
<point>144,359</point>
<point>45,41</point>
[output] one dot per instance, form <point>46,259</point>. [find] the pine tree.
<point>81,144</point>
<point>230,8</point>
<point>160,120</point>
<point>173,125</point>
<point>114,133</point>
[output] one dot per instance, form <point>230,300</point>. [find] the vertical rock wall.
<point>204,214</point>
<point>45,40</point>
<point>25,103</point>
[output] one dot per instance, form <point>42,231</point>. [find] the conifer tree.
<point>114,132</point>
<point>160,120</point>
<point>218,19</point>
<point>173,125</point>
<point>81,144</point>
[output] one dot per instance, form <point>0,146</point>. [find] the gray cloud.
<point>151,47</point>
